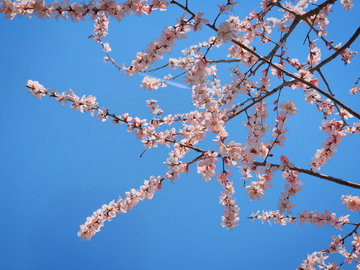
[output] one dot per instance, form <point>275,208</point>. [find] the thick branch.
<point>316,10</point>
<point>296,21</point>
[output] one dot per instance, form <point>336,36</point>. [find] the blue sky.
<point>58,165</point>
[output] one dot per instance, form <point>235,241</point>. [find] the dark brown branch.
<point>261,98</point>
<point>316,10</point>
<point>318,175</point>
<point>328,87</point>
<point>310,85</point>
<point>346,45</point>
<point>298,79</point>
<point>283,39</point>
<point>296,21</point>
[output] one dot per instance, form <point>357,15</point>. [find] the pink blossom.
<point>286,164</point>
<point>226,32</point>
<point>108,212</point>
<point>257,188</point>
<point>199,21</point>
<point>355,89</point>
<point>275,71</point>
<point>106,47</point>
<point>352,203</point>
<point>347,4</point>
<point>223,8</point>
<point>206,166</point>
<point>151,83</point>
<point>103,115</point>
<point>36,89</point>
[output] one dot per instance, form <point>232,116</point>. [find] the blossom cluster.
<point>108,212</point>
<point>206,166</point>
<point>157,48</point>
<point>230,218</point>
<point>355,89</point>
<point>292,185</point>
<point>87,104</point>
<point>347,4</point>
<point>286,111</point>
<point>256,148</point>
<point>352,203</point>
<point>217,104</point>
<point>176,167</point>
<point>315,218</point>
<point>306,217</point>
<point>336,246</point>
<point>155,109</point>
<point>347,54</point>
<point>257,188</point>
<point>152,83</point>
<point>77,11</point>
<point>334,128</point>
<point>101,28</point>
<point>231,152</point>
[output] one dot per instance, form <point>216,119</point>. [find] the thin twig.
<point>328,87</point>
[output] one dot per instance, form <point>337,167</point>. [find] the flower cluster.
<point>206,166</point>
<point>157,48</point>
<point>257,188</point>
<point>336,246</point>
<point>286,111</point>
<point>198,21</point>
<point>347,4</point>
<point>312,217</point>
<point>155,109</point>
<point>230,218</point>
<point>334,128</point>
<point>100,28</point>
<point>244,56</point>
<point>78,12</point>
<point>255,147</point>
<point>315,55</point>
<point>217,104</point>
<point>176,167</point>
<point>87,104</point>
<point>352,203</point>
<point>355,89</point>
<point>232,152</point>
<point>291,186</point>
<point>151,83</point>
<point>37,89</point>
<point>108,212</point>
<point>347,54</point>
<point>226,32</point>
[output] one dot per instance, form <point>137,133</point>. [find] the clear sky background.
<point>57,166</point>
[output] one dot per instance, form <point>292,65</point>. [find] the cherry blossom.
<point>108,212</point>
<point>347,4</point>
<point>246,97</point>
<point>206,166</point>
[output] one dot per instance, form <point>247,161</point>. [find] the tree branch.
<point>319,175</point>
<point>347,44</point>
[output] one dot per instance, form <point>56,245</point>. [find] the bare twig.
<point>328,87</point>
